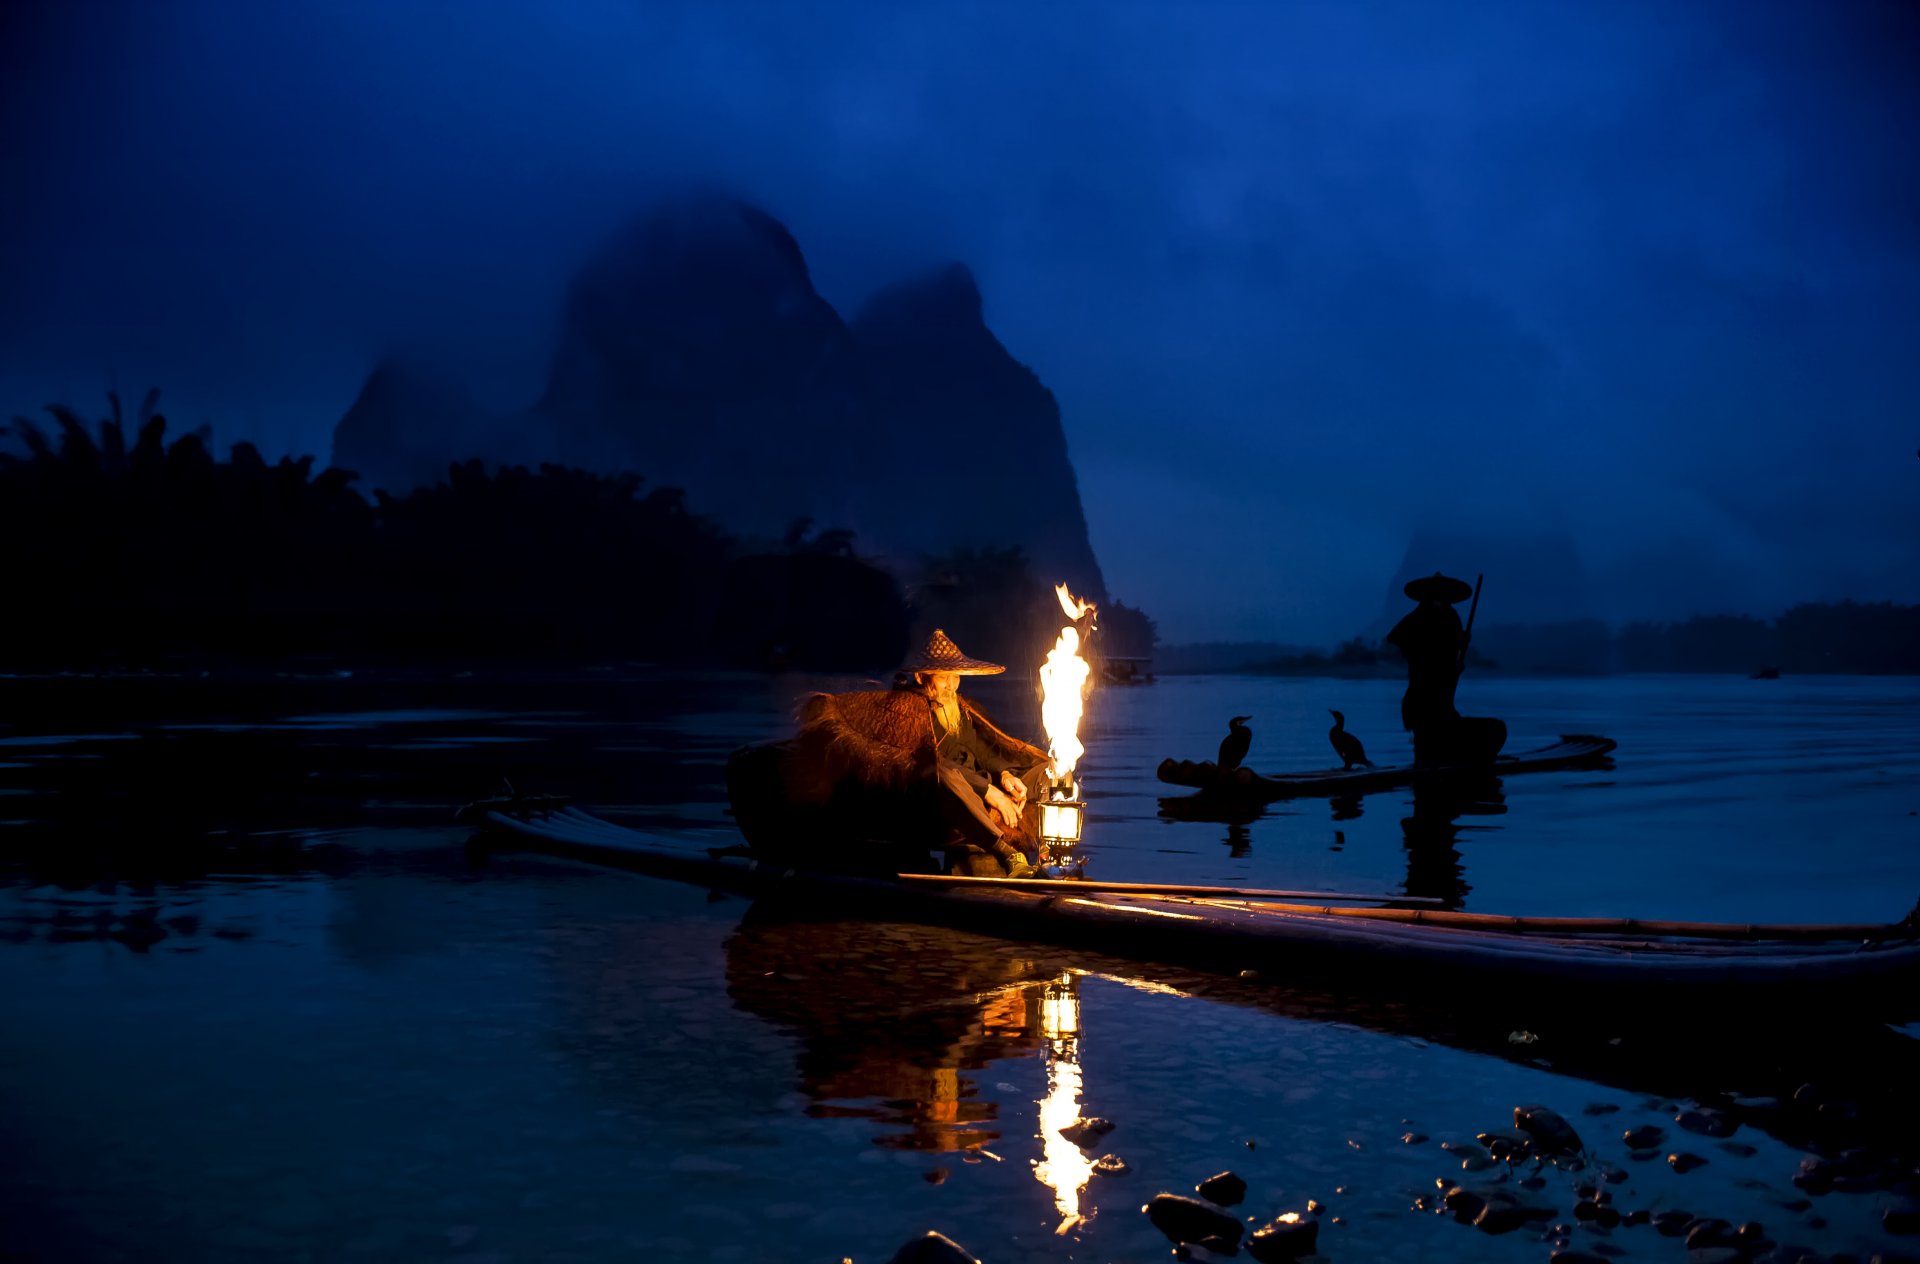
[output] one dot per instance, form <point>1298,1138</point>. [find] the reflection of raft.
<point>1576,750</point>
<point>1409,950</point>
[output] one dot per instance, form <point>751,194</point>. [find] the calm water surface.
<point>260,999</point>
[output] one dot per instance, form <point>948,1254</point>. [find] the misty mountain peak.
<point>943,302</point>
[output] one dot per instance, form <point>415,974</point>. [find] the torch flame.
<point>1063,682</point>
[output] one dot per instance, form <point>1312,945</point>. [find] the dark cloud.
<point>1303,276</point>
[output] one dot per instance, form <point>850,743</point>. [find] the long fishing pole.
<point>1460,664</point>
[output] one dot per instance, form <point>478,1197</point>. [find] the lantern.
<point>1060,818</point>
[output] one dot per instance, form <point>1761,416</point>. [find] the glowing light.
<point>1063,688</point>
<point>1060,821</point>
<point>1063,1168</point>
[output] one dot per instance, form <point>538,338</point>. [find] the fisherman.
<point>1434,644</point>
<point>988,780</point>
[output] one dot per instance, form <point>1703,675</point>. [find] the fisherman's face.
<point>942,687</point>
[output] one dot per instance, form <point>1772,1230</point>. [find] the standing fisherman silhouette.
<point>1233,747</point>
<point>1345,744</point>
<point>1434,644</point>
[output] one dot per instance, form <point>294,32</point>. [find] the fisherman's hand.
<point>1016,789</point>
<point>1000,803</point>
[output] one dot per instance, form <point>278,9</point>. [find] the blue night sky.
<point>1306,278</point>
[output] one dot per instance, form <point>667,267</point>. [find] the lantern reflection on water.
<point>1062,1167</point>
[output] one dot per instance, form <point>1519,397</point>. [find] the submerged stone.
<point>1110,1165</point>
<point>1645,1137</point>
<point>1223,1188</point>
<point>1683,1162</point>
<point>1185,1219</point>
<point>1707,1123</point>
<point>1550,1133</point>
<point>1504,1212</point>
<point>1087,1130</point>
<point>935,1248</point>
<point>1287,1238</point>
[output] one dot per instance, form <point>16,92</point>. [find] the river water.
<point>260,998</point>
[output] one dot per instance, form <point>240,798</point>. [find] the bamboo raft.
<point>1575,750</point>
<point>1311,939</point>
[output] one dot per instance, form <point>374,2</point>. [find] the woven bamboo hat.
<point>942,655</point>
<point>1438,587</point>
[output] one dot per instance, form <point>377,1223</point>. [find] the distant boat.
<point>1766,673</point>
<point>1126,671</point>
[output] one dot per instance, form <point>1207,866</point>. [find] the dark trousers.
<point>978,844</point>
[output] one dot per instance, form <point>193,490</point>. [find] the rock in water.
<point>1225,1188</point>
<point>1551,1134</point>
<point>1705,1122</point>
<point>1505,1212</point>
<point>935,1248</point>
<point>1287,1238</point>
<point>1087,1131</point>
<point>1185,1219</point>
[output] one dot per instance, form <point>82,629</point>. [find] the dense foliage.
<point>153,551</point>
<point>145,552</point>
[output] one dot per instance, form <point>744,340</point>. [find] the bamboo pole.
<point>1268,900</point>
<point>1043,886</point>
<point>1620,925</point>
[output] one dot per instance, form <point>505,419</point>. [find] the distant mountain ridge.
<point>695,351</point>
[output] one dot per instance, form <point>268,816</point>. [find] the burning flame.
<point>1063,683</point>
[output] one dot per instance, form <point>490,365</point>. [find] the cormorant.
<point>1345,744</point>
<point>1233,747</point>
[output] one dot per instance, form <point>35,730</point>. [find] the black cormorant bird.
<point>1345,744</point>
<point>1233,747</point>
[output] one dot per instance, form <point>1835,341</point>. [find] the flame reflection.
<point>1063,1168</point>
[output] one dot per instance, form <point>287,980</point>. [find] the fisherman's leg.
<point>975,846</point>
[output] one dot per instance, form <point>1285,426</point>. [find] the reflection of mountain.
<point>695,351</point>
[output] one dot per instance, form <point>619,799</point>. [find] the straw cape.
<point>881,739</point>
<point>1438,587</point>
<point>941,655</point>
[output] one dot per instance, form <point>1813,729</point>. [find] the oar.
<point>1037,886</point>
<point>1474,609</point>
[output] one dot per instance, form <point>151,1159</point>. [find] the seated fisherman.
<point>1434,644</point>
<point>875,780</point>
<point>987,778</point>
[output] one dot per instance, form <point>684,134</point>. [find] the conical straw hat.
<point>942,655</point>
<point>1438,587</point>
